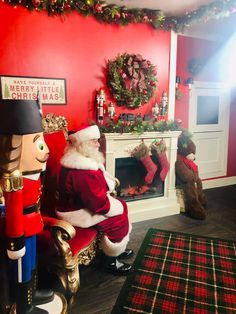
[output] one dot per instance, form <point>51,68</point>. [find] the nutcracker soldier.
<point>23,155</point>
<point>100,100</point>
<point>111,111</point>
<point>164,103</point>
<point>155,111</point>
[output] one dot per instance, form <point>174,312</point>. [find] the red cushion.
<point>82,239</point>
<point>56,143</point>
<point>48,222</point>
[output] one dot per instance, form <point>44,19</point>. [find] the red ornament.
<point>117,15</point>
<point>36,3</point>
<point>98,8</point>
<point>145,19</point>
<point>144,92</point>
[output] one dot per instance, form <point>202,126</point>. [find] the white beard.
<point>88,150</point>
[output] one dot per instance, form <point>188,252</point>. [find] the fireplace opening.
<point>131,174</point>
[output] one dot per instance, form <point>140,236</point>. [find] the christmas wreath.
<point>131,80</point>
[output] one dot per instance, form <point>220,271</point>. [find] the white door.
<point>209,124</point>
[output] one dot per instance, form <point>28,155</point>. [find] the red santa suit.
<point>85,201</point>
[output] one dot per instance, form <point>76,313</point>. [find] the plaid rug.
<point>181,273</point>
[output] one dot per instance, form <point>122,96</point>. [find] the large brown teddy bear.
<point>188,179</point>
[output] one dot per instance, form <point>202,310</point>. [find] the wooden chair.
<point>68,247</point>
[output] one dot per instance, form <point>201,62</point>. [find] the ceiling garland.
<point>113,14</point>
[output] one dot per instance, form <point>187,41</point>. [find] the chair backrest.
<point>55,135</point>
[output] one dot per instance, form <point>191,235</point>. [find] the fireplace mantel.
<point>117,145</point>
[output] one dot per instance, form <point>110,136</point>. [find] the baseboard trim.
<point>216,183</point>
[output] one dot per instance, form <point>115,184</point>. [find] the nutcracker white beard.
<point>87,149</point>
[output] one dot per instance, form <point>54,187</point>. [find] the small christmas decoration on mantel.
<point>164,104</point>
<point>111,111</point>
<point>140,126</point>
<point>160,110</point>
<point>131,80</point>
<point>155,111</point>
<point>100,102</point>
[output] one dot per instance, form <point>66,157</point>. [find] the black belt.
<point>30,209</point>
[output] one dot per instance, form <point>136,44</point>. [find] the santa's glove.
<point>116,207</point>
<point>158,149</point>
<point>82,218</point>
<point>141,152</point>
<point>16,247</point>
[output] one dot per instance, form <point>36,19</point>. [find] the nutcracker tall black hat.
<point>20,117</point>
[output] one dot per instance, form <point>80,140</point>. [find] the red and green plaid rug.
<point>181,273</point>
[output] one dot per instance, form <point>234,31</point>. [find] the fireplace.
<point>131,174</point>
<point>155,200</point>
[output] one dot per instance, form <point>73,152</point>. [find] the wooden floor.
<point>99,290</point>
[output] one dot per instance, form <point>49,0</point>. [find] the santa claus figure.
<point>23,154</point>
<point>85,199</point>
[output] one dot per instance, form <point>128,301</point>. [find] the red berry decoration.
<point>36,3</point>
<point>98,8</point>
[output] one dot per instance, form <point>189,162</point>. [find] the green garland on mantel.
<point>110,13</point>
<point>139,127</point>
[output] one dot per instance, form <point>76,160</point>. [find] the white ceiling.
<point>214,29</point>
<point>167,6</point>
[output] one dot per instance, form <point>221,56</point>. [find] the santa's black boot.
<point>114,266</point>
<point>126,254</point>
<point>40,296</point>
<point>24,304</point>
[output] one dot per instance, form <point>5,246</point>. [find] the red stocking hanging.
<point>158,148</point>
<point>141,152</point>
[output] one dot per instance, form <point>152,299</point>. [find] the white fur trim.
<point>74,160</point>
<point>114,248</point>
<point>191,157</point>
<point>82,218</point>
<point>116,207</point>
<point>110,180</point>
<point>90,133</point>
<point>16,254</point>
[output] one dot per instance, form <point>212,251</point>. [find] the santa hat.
<point>85,133</point>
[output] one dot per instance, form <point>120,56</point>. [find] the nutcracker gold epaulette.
<point>11,182</point>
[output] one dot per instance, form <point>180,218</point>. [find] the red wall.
<point>77,49</point>
<point>187,49</point>
<point>210,51</point>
